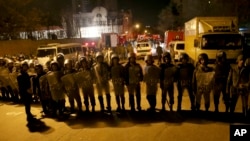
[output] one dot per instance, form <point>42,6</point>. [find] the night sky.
<point>144,11</point>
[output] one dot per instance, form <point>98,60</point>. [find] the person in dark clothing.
<point>184,75</point>
<point>159,52</point>
<point>167,79</point>
<point>24,86</point>
<point>222,68</point>
<point>45,102</point>
<point>133,77</point>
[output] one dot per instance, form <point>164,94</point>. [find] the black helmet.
<point>184,56</point>
<point>113,56</point>
<point>59,56</point>
<point>203,56</point>
<point>23,63</point>
<point>131,54</point>
<point>39,66</point>
<point>221,55</point>
<point>54,63</point>
<point>166,55</point>
<point>83,59</point>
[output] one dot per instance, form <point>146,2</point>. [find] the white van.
<point>142,49</point>
<point>177,47</point>
<point>49,51</point>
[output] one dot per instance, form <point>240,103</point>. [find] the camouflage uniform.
<point>184,75</point>
<point>133,77</point>
<point>151,78</point>
<point>102,75</point>
<point>118,77</point>
<point>203,78</point>
<point>222,68</point>
<point>167,78</point>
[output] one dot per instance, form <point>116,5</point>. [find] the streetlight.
<point>137,26</point>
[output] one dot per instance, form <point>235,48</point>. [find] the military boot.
<point>100,98</point>
<point>123,103</point>
<point>117,98</point>
<point>108,98</point>
<point>132,102</point>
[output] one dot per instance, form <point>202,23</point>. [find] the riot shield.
<point>55,85</point>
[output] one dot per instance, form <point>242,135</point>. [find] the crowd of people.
<point>61,79</point>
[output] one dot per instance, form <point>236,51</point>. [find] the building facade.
<point>104,17</point>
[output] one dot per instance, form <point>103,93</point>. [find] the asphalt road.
<point>170,126</point>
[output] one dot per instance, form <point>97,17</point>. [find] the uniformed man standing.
<point>71,86</point>
<point>203,78</point>
<point>151,78</point>
<point>238,84</point>
<point>222,68</point>
<point>118,78</point>
<point>102,75</point>
<point>167,79</point>
<point>133,77</point>
<point>184,75</point>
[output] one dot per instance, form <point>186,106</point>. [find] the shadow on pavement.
<point>145,118</point>
<point>38,126</point>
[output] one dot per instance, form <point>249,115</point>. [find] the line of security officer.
<point>200,81</point>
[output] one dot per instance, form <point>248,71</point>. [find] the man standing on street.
<point>159,52</point>
<point>24,86</point>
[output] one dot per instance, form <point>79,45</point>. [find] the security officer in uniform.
<point>151,78</point>
<point>167,79</point>
<point>238,84</point>
<point>202,81</point>
<point>184,75</point>
<point>102,75</point>
<point>86,83</point>
<point>222,68</point>
<point>71,87</point>
<point>118,77</point>
<point>133,77</point>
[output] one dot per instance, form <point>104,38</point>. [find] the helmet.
<point>221,55</point>
<point>131,55</point>
<point>99,54</point>
<point>148,57</point>
<point>166,55</point>
<point>54,63</point>
<point>114,56</point>
<point>59,56</point>
<point>39,66</point>
<point>83,59</point>
<point>204,57</point>
<point>184,56</point>
<point>23,63</point>
<point>239,58</point>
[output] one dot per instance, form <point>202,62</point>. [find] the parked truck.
<point>211,34</point>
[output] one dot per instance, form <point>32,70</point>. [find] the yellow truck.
<point>211,34</point>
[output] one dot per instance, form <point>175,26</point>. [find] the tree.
<point>171,17</point>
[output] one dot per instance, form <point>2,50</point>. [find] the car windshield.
<point>221,41</point>
<point>46,52</point>
<point>180,46</point>
<point>142,45</point>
